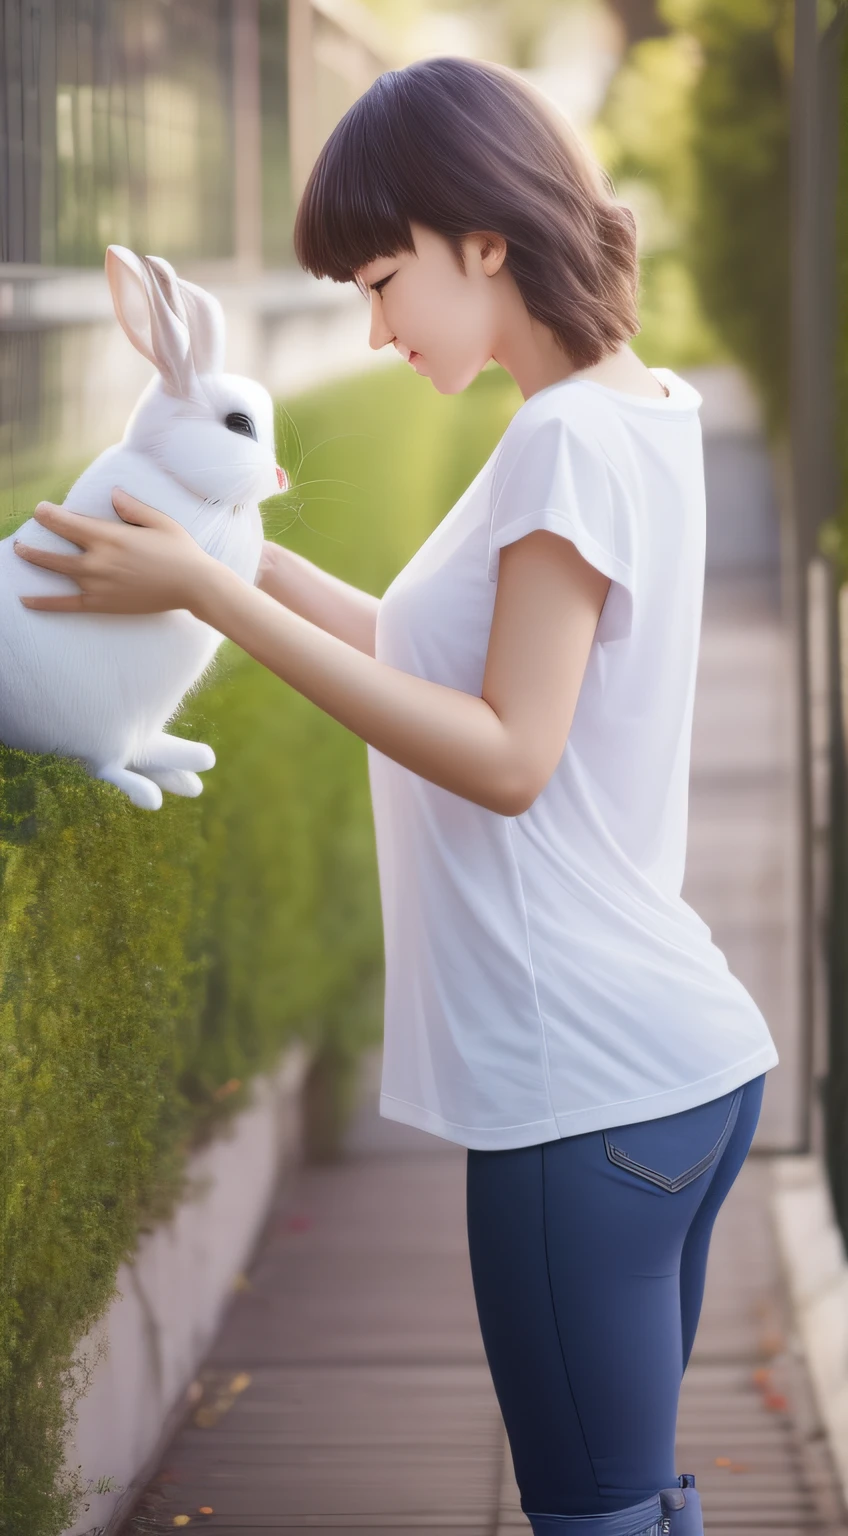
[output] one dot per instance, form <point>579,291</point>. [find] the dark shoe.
<point>681,1508</point>
<point>644,1519</point>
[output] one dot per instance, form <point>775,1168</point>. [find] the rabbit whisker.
<point>337,438</point>
<point>280,411</point>
<point>326,480</point>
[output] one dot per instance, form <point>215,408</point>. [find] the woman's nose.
<point>380,332</point>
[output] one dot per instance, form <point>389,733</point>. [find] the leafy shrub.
<point>152,963</point>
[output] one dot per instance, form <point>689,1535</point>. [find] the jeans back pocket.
<point>675,1149</point>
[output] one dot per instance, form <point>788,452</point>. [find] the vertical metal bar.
<point>301,94</point>
<point>46,50</point>
<point>247,112</point>
<point>31,148</point>
<point>13,233</point>
<point>815,84</point>
<point>834,51</point>
<point>803,476</point>
<point>836,1094</point>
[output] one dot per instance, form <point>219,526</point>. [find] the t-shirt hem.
<point>554,520</point>
<point>578,1122</point>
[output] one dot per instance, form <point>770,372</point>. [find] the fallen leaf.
<point>241,1282</point>
<point>776,1402</point>
<point>723,1461</point>
<point>206,1509</point>
<point>240,1381</point>
<point>740,1466</point>
<point>761,1376</point>
<point>227,1088</point>
<point>772,1343</point>
<point>182,1519</point>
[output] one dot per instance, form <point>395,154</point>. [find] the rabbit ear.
<point>149,308</point>
<point>206,327</point>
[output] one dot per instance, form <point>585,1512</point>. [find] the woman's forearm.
<point>454,739</point>
<point>334,605</point>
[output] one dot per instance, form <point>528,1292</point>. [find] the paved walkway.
<point>348,1390</point>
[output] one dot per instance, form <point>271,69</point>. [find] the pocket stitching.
<point>622,1159</point>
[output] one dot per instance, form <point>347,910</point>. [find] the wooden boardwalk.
<point>348,1390</point>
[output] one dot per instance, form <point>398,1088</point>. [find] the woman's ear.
<point>492,253</point>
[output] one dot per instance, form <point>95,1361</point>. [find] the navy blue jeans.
<point>588,1258</point>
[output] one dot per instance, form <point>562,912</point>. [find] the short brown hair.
<point>466,147</point>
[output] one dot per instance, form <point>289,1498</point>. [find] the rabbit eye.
<point>238,422</point>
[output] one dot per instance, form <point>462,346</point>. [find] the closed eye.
<point>238,422</point>
<point>378,287</point>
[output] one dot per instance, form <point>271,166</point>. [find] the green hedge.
<point>151,963</point>
<point>739,234</point>
<point>696,128</point>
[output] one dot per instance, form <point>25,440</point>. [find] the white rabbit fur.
<point>101,687</point>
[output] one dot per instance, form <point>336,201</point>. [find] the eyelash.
<point>378,287</point>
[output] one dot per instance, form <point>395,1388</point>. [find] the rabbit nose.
<point>282,479</point>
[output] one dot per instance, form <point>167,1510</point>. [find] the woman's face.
<point>442,321</point>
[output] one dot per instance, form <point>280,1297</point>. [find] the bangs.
<point>347,214</point>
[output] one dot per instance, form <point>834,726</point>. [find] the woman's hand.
<point>148,567</point>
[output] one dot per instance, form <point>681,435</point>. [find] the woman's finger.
<point>126,505</point>
<point>73,604</point>
<point>51,559</point>
<point>71,525</point>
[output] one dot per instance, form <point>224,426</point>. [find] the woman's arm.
<point>499,754</point>
<point>334,605</point>
<point>447,736</point>
<point>497,749</point>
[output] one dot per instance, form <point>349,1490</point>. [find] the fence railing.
<point>818,582</point>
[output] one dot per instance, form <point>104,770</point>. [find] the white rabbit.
<point>199,445</point>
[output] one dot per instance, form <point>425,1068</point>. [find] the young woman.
<point>525,687</point>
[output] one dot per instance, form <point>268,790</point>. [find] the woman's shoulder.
<point>560,415</point>
<point>593,415</point>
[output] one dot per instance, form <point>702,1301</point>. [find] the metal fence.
<point>818,584</point>
<point>180,127</point>
<point>835,100</point>
<point>118,126</point>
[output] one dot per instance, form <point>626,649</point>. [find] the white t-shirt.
<point>543,975</point>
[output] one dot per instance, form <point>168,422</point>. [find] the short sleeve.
<point>553,476</point>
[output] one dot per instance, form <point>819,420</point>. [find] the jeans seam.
<point>556,1323</point>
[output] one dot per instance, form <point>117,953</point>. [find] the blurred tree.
<point>639,18</point>
<point>739,223</point>
<point>702,117</point>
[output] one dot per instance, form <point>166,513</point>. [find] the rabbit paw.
<point>164,751</point>
<point>141,791</point>
<point>178,781</point>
